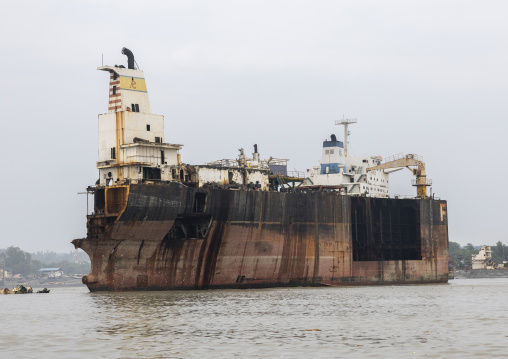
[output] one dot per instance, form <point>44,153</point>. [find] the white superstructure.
<point>132,147</point>
<point>132,150</point>
<point>131,137</point>
<point>339,171</point>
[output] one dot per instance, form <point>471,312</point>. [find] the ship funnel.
<point>130,57</point>
<point>333,137</point>
<point>255,155</point>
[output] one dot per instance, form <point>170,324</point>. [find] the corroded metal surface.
<point>174,237</point>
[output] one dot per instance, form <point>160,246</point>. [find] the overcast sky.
<point>424,77</point>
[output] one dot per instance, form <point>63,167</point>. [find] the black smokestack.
<point>130,57</point>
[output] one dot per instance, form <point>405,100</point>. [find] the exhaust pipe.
<point>130,57</point>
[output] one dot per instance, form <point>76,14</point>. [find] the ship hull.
<point>170,237</point>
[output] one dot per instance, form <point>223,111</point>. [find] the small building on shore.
<point>51,272</point>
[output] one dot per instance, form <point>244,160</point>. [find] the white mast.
<point>346,122</point>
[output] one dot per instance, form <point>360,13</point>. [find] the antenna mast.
<point>346,122</point>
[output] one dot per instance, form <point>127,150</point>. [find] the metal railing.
<point>400,156</point>
<point>296,174</point>
<point>428,182</point>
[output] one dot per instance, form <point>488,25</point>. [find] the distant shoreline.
<point>480,273</point>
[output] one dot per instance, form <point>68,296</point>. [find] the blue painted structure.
<point>333,167</point>
<point>333,144</point>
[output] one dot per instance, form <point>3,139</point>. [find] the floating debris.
<point>21,289</point>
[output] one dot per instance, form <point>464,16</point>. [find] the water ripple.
<point>466,318</point>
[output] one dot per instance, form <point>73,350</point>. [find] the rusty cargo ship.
<point>160,224</point>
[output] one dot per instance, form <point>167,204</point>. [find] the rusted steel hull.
<point>175,237</point>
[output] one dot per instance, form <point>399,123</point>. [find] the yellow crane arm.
<point>407,161</point>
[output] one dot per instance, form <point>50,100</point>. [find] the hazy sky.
<point>425,77</point>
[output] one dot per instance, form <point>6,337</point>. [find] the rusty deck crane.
<point>415,164</point>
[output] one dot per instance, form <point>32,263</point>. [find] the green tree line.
<point>17,261</point>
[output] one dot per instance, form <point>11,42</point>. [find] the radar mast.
<point>346,122</point>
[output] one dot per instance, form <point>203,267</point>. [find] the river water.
<point>467,318</point>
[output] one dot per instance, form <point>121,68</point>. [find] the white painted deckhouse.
<point>131,137</point>
<point>341,172</point>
